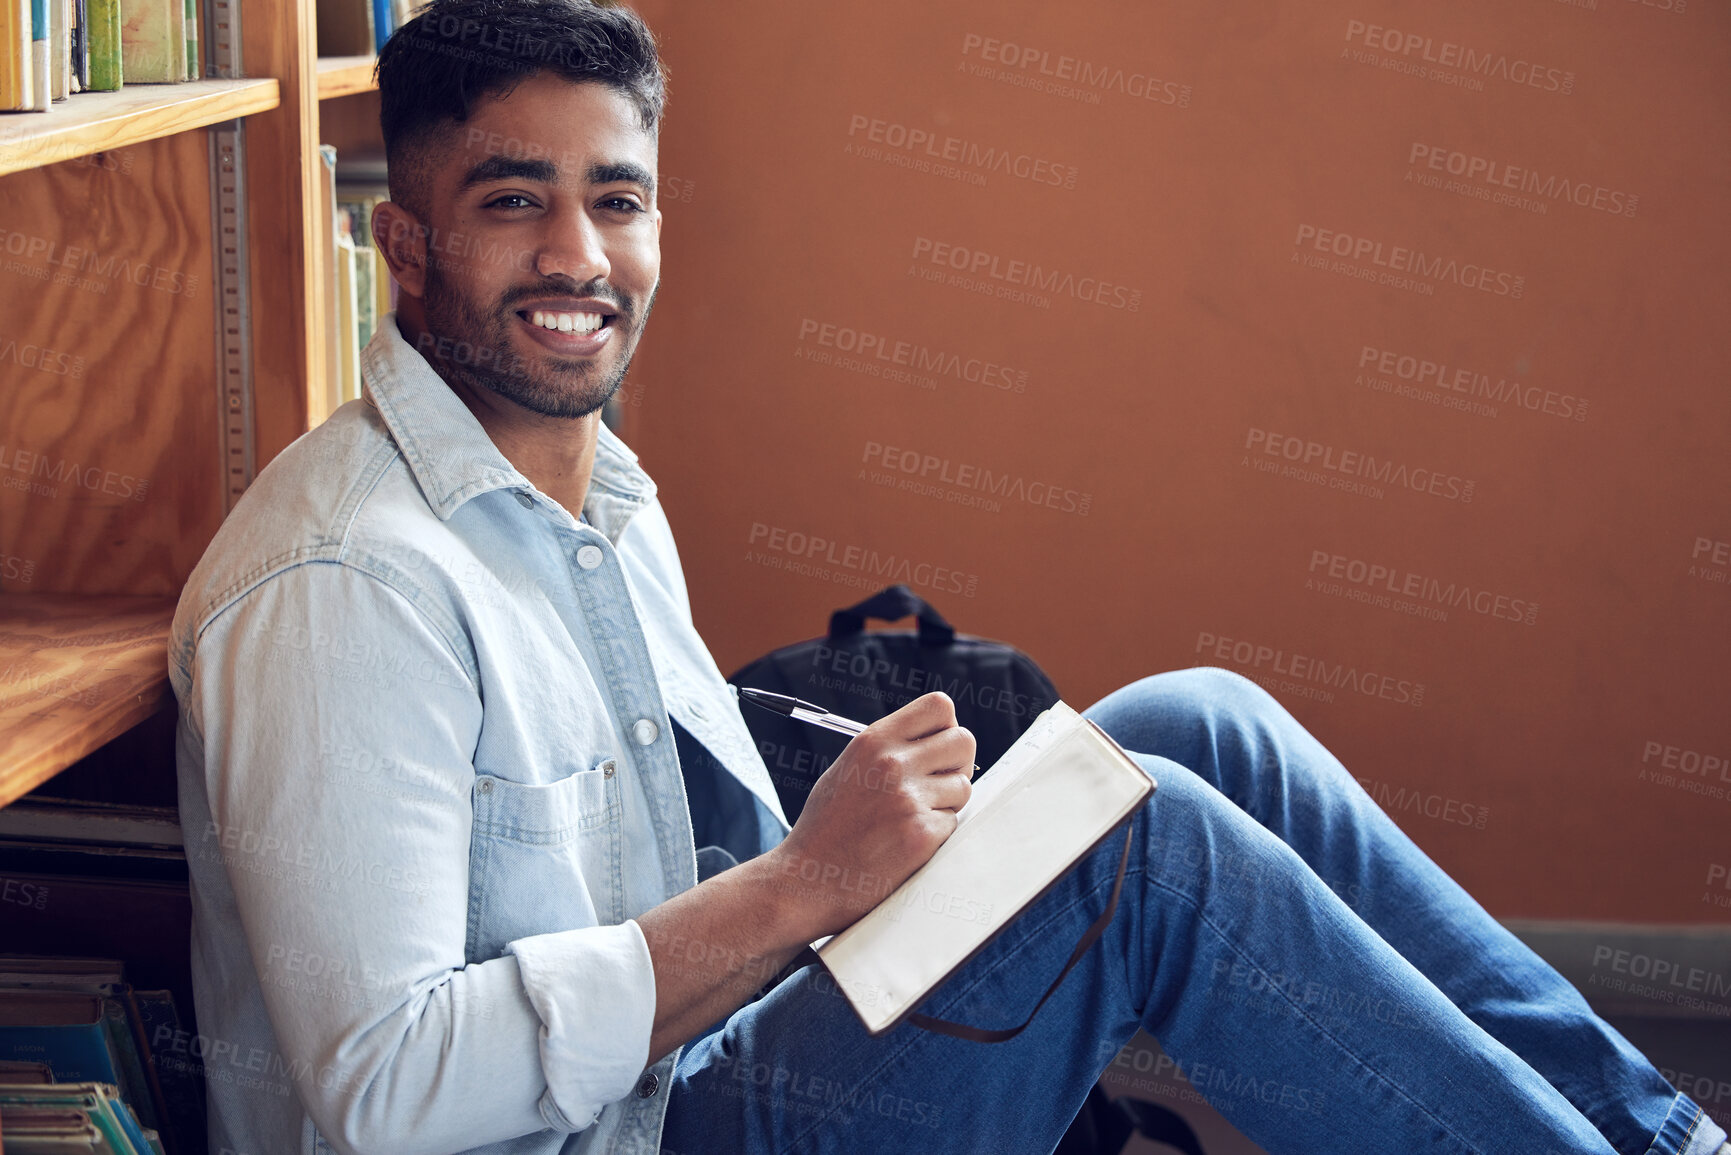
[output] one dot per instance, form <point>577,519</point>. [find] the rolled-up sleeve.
<point>595,992</point>
<point>339,724</point>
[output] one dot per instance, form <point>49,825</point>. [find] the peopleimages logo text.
<point>1383,471</point>
<point>927,469</point>
<point>1448,54</point>
<point>1073,70</point>
<point>1032,275</point>
<point>1422,371</point>
<point>805,550</point>
<point>1401,259</point>
<point>1502,175</point>
<point>911,354</point>
<point>959,151</point>
<point>1307,672</point>
<point>1401,582</point>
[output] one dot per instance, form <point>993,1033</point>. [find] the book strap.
<point>980,1034</point>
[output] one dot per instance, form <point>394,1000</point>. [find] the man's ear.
<point>400,235</point>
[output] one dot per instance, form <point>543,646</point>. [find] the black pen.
<point>803,711</point>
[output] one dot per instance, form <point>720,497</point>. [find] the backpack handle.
<point>889,604</point>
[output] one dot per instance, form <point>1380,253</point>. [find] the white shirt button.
<point>524,500</point>
<point>645,731</point>
<point>589,556</point>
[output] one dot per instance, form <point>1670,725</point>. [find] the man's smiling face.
<point>545,247</point>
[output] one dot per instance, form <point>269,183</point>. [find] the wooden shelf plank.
<point>88,122</point>
<point>345,75</point>
<point>75,672</point>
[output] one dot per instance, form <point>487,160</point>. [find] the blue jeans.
<point>1325,984</point>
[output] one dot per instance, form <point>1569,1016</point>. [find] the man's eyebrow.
<point>510,168</point>
<point>612,172</point>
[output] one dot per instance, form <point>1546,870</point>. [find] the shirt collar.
<point>450,454</point>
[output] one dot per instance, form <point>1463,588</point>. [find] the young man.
<point>449,743</point>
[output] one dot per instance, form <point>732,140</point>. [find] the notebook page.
<point>1051,725</point>
<point>1040,823</point>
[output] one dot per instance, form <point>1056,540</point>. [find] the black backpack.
<point>998,692</point>
<point>997,689</point>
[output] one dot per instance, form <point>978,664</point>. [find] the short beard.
<point>478,351</point>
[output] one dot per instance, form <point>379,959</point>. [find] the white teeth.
<point>566,322</point>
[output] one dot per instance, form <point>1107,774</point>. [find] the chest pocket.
<point>544,858</point>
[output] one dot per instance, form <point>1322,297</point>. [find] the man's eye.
<point>500,202</point>
<point>622,204</point>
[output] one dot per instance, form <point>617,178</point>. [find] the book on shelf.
<point>384,22</point>
<point>46,818</point>
<point>153,41</point>
<point>60,49</point>
<point>361,288</point>
<point>328,226</point>
<point>361,186</point>
<point>116,1128</point>
<point>102,45</point>
<point>53,49</point>
<point>78,51</point>
<point>74,1020</point>
<point>347,335</point>
<point>15,86</point>
<point>84,1038</point>
<point>28,1072</point>
<point>41,70</point>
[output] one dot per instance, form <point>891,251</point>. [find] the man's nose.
<point>573,247</point>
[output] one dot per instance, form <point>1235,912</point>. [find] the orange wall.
<point>1235,211</point>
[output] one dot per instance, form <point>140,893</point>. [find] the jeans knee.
<point>1230,691</point>
<point>1205,692</point>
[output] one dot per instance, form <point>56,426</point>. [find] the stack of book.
<point>94,911</point>
<point>360,289</point>
<point>50,49</point>
<point>88,1063</point>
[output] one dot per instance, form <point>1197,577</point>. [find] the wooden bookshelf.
<point>92,122</point>
<point>75,672</point>
<point>111,409</point>
<point>345,75</point>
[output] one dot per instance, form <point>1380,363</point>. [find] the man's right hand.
<point>877,814</point>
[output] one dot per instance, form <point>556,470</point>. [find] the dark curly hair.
<point>437,67</point>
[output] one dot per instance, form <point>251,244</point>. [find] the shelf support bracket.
<point>233,273</point>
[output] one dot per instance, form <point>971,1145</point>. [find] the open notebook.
<point>1053,796</point>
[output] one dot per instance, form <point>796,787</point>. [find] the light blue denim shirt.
<point>428,779</point>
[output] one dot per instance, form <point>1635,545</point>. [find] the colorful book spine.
<point>14,55</point>
<point>384,22</point>
<point>78,1052</point>
<point>41,70</point>
<point>103,21</point>
<point>60,48</point>
<point>80,46</point>
<point>194,63</point>
<point>152,40</point>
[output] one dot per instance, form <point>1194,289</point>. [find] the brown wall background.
<point>1557,735</point>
